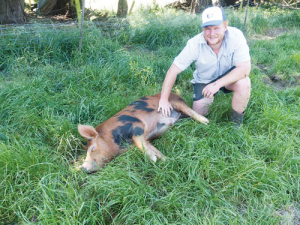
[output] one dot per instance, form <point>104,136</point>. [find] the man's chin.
<point>213,42</point>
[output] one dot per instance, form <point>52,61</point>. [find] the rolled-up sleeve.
<point>241,48</point>
<point>188,55</point>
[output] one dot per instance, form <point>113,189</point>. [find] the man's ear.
<point>225,23</point>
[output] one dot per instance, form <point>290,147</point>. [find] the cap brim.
<point>212,23</point>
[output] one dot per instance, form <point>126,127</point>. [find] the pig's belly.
<point>163,124</point>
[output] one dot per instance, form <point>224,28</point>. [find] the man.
<point>222,61</point>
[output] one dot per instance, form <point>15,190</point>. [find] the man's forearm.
<point>241,71</point>
<point>169,82</point>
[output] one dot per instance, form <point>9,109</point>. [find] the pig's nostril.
<point>86,171</point>
<point>89,167</point>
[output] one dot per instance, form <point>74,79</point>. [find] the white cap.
<point>213,16</point>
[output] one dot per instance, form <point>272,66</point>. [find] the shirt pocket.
<point>226,60</point>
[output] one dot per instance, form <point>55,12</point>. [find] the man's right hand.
<point>165,107</point>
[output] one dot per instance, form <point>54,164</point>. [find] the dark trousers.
<point>198,87</point>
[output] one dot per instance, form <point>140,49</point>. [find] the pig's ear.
<point>86,131</point>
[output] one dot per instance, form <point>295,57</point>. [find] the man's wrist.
<point>217,84</point>
<point>164,97</point>
<point>163,100</point>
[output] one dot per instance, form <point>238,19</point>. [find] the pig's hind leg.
<point>181,106</point>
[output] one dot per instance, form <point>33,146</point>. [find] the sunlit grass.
<point>213,175</point>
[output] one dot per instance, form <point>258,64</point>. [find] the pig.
<point>138,124</point>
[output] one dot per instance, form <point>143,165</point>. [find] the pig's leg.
<point>181,106</point>
<point>146,147</point>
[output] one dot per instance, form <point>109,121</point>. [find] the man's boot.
<point>236,118</point>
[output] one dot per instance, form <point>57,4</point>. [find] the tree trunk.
<point>193,5</point>
<point>230,2</point>
<point>45,6</point>
<point>122,8</point>
<point>220,3</point>
<point>12,11</point>
<point>204,4</point>
<point>199,5</point>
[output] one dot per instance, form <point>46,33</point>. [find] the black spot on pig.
<point>128,119</point>
<point>180,99</point>
<point>123,134</point>
<point>142,105</point>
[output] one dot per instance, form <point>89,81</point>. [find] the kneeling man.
<point>222,61</point>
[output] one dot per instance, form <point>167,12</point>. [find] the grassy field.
<point>213,175</point>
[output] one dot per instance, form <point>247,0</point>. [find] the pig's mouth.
<point>89,167</point>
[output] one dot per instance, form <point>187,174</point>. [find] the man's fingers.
<point>169,111</point>
<point>209,95</point>
<point>165,111</point>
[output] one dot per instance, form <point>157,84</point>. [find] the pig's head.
<point>98,153</point>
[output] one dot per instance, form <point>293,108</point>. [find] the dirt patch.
<point>275,32</point>
<point>289,215</point>
<point>276,81</point>
<point>31,17</point>
<point>270,34</point>
<point>279,84</point>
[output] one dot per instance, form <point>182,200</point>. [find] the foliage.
<point>213,174</point>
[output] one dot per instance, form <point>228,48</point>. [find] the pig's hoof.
<point>204,121</point>
<point>153,158</point>
<point>163,158</point>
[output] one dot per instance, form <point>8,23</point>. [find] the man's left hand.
<point>210,90</point>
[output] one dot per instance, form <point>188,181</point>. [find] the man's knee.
<point>202,106</point>
<point>242,86</point>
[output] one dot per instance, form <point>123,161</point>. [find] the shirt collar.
<point>202,39</point>
<point>225,40</point>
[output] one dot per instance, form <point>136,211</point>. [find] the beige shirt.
<point>209,66</point>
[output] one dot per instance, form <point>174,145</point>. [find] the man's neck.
<point>216,48</point>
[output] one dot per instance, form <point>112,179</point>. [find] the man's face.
<point>214,34</point>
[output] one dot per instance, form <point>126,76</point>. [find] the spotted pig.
<point>138,124</point>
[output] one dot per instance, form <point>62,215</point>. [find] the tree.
<point>122,8</point>
<point>12,11</point>
<point>228,2</point>
<point>55,7</point>
<point>199,5</point>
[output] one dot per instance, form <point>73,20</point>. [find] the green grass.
<point>213,175</point>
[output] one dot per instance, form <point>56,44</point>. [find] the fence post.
<point>246,17</point>
<point>81,26</point>
<point>131,7</point>
<point>77,6</point>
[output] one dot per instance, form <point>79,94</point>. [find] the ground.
<point>274,80</point>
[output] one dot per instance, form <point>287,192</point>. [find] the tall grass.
<point>213,175</point>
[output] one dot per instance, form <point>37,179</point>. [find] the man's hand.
<point>165,107</point>
<point>210,90</point>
